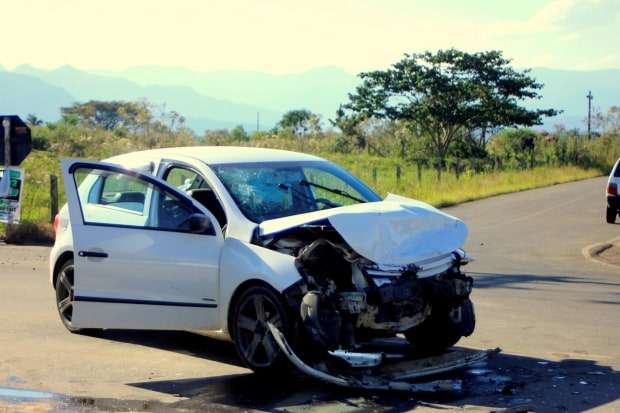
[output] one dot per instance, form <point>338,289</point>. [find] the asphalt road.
<point>555,314</point>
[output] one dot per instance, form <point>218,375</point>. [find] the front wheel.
<point>443,328</point>
<point>256,346</point>
<point>611,215</point>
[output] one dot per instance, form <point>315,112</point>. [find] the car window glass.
<point>185,179</point>
<point>325,185</point>
<point>114,191</point>
<point>120,199</point>
<point>266,192</point>
<point>194,185</point>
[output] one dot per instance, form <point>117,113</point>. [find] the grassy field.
<point>449,191</point>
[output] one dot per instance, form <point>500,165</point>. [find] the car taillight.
<point>612,189</point>
<point>56,224</point>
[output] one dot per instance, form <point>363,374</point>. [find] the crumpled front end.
<point>345,298</point>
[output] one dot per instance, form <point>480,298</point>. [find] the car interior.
<point>196,187</point>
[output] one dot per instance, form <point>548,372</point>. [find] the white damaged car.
<point>235,241</point>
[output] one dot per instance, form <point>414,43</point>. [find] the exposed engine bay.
<point>345,299</point>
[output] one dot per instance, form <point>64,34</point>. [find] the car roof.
<point>215,155</point>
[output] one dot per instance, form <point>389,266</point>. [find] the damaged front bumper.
<point>377,373</point>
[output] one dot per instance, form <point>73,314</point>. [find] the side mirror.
<point>200,224</point>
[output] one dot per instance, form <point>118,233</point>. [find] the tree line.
<point>435,107</point>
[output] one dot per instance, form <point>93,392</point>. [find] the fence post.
<point>397,174</point>
<point>419,164</point>
<point>53,197</point>
<point>457,170</point>
<point>374,176</point>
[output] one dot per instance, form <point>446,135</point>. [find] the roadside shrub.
<point>28,232</point>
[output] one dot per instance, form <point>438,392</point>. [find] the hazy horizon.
<point>120,71</point>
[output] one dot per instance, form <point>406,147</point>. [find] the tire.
<point>610,215</point>
<point>439,331</point>
<point>255,345</point>
<point>64,295</point>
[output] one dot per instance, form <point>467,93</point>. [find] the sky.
<point>290,36</point>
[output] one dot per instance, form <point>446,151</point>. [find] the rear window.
<point>617,170</point>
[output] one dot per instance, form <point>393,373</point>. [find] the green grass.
<point>469,186</point>
<point>449,191</point>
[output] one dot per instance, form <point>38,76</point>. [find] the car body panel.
<point>242,262</point>
<point>144,269</point>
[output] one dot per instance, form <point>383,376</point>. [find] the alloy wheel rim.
<point>64,294</point>
<point>255,340</point>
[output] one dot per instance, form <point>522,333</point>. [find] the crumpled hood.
<point>395,231</point>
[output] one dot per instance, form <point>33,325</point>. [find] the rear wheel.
<point>611,215</point>
<point>65,282</point>
<point>256,346</point>
<point>443,328</point>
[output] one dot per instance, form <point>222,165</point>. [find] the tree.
<point>612,120</point>
<point>514,144</point>
<point>112,114</point>
<point>445,94</point>
<point>239,134</point>
<point>33,120</point>
<point>299,121</point>
<point>350,126</point>
<point>216,137</point>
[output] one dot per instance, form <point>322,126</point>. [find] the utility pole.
<point>6,123</point>
<point>257,122</point>
<point>590,97</point>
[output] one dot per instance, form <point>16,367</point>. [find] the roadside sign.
<point>11,190</point>
<point>19,137</point>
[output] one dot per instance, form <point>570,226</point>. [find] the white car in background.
<point>613,194</point>
<point>227,240</point>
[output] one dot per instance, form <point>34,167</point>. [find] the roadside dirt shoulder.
<point>23,256</point>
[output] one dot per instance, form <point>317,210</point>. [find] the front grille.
<point>423,269</point>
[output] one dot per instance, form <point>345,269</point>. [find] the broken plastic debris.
<point>371,382</point>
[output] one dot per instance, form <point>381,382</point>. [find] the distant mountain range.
<point>224,99</point>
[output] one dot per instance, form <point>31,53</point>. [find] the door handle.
<point>93,254</point>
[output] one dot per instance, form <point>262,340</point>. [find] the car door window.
<point>119,191</point>
<point>113,198</point>
<point>194,185</point>
<point>185,179</point>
